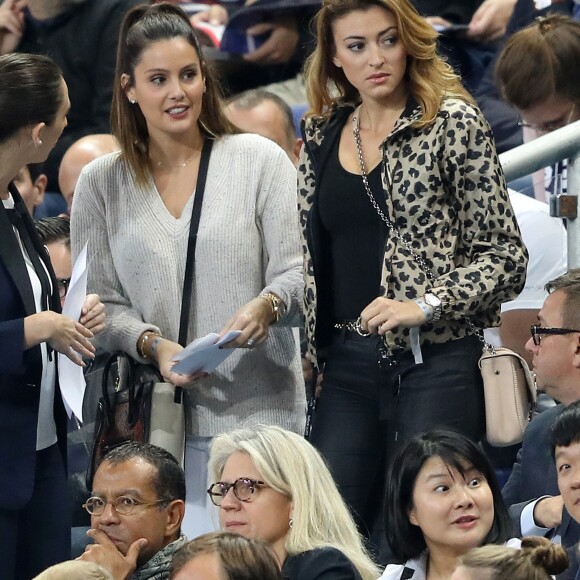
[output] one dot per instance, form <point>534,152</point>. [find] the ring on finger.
<point>250,342</point>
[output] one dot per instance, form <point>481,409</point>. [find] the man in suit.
<point>532,491</point>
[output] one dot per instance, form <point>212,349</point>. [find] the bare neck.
<point>441,564</point>
<point>10,164</point>
<point>379,117</point>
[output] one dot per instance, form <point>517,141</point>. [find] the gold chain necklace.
<point>180,165</point>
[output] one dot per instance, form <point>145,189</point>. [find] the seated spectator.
<point>283,29</point>
<point>74,570</point>
<point>273,485</point>
<point>471,49</point>
<point>549,51</point>
<point>501,116</point>
<point>259,111</point>
<point>136,507</point>
<point>55,235</point>
<point>442,500</point>
<point>225,556</point>
<point>565,440</point>
<point>81,37</point>
<point>79,154</point>
<point>538,559</point>
<point>531,492</point>
<point>31,183</point>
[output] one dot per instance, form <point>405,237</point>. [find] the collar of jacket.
<point>315,128</point>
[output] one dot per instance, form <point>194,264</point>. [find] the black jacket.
<point>20,370</point>
<point>319,564</point>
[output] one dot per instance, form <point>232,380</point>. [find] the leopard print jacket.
<point>446,194</point>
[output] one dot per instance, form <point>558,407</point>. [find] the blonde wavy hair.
<point>293,467</point>
<point>75,570</point>
<point>430,79</point>
<point>538,559</point>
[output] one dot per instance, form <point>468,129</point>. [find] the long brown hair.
<point>429,77</point>
<point>142,26</point>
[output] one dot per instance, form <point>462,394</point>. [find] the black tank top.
<point>353,239</point>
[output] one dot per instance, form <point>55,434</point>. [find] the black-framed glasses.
<point>124,505</point>
<point>63,284</point>
<point>244,489</point>
<point>537,332</point>
<point>550,125</point>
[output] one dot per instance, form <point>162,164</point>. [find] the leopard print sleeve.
<point>490,257</point>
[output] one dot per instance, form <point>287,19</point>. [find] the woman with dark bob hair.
<point>442,500</point>
<point>34,528</point>
<point>136,207</point>
<point>410,241</point>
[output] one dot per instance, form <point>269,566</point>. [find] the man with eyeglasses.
<point>531,492</point>
<point>55,235</point>
<point>136,507</point>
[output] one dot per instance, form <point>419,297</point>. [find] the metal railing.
<point>542,152</point>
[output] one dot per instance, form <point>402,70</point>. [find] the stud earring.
<point>291,523</point>
<point>39,143</point>
<point>132,101</point>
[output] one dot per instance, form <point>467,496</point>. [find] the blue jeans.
<point>367,411</point>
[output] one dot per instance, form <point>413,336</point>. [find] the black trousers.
<point>366,411</point>
<point>38,535</point>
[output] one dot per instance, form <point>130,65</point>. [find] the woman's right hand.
<point>164,353</point>
<point>61,333</point>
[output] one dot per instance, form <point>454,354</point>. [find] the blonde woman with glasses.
<point>271,484</point>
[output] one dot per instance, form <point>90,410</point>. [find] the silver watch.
<point>435,304</point>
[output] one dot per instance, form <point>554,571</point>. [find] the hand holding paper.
<point>70,377</point>
<point>204,354</point>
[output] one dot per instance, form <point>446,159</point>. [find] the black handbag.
<point>136,405</point>
<point>123,415</point>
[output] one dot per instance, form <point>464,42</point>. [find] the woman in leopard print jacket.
<point>404,264</point>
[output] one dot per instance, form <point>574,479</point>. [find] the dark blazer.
<point>319,564</point>
<point>20,370</point>
<point>534,474</point>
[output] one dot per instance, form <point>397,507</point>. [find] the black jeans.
<point>366,411</point>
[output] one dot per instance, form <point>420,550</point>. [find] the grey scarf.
<point>158,567</point>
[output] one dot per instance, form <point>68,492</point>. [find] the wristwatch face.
<point>432,300</point>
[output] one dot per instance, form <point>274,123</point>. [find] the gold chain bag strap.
<point>508,385</point>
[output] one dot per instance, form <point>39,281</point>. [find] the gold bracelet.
<point>144,341</point>
<point>276,304</point>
